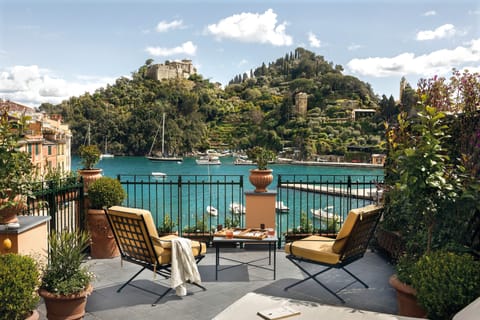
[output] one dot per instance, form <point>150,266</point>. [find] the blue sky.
<point>51,50</point>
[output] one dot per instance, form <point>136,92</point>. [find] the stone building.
<point>47,139</point>
<point>301,102</point>
<point>171,70</point>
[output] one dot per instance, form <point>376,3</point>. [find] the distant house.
<point>362,113</point>
<point>47,139</point>
<point>379,158</point>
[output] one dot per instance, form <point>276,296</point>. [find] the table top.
<point>223,239</point>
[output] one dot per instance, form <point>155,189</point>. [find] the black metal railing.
<point>62,200</point>
<point>309,204</point>
<point>188,205</point>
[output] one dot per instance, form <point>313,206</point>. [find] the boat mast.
<point>163,135</point>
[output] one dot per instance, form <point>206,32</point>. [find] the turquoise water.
<point>142,166</point>
<point>162,199</point>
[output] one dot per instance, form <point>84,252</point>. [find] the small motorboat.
<point>326,214</point>
<point>159,175</point>
<point>212,211</point>
<point>281,207</point>
<point>237,208</point>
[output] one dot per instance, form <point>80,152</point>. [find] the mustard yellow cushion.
<point>139,212</point>
<point>314,248</point>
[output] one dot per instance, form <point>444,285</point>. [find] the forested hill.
<point>254,109</point>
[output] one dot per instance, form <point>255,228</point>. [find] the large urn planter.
<point>261,179</point>
<point>406,299</point>
<point>9,214</point>
<point>103,245</point>
<point>89,176</point>
<point>61,307</point>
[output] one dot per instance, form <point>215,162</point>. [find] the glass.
<point>229,234</point>
<point>270,232</point>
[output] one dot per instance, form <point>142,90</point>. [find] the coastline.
<point>338,164</point>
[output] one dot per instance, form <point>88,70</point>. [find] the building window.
<point>49,150</point>
<point>37,149</point>
<point>29,149</point>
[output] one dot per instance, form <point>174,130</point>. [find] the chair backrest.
<point>355,234</point>
<point>132,233</point>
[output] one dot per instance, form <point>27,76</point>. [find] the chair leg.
<point>356,278</point>
<point>313,277</point>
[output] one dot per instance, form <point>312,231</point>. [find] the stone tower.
<point>301,101</point>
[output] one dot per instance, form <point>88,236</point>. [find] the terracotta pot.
<point>60,307</point>
<point>260,179</point>
<point>103,244</point>
<point>89,176</point>
<point>9,214</point>
<point>34,316</point>
<point>407,299</point>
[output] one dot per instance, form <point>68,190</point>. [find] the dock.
<point>363,193</point>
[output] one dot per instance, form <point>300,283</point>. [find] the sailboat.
<point>152,157</point>
<point>106,154</point>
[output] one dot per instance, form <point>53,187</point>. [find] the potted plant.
<point>446,282</point>
<point>431,199</point>
<point>90,156</point>
<point>19,282</point>
<point>199,232</point>
<point>66,282</point>
<point>260,177</point>
<point>15,169</point>
<point>167,227</point>
<point>103,193</point>
<point>304,229</point>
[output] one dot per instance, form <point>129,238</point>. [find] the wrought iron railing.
<point>62,200</point>
<point>309,204</point>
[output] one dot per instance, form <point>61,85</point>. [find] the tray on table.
<point>248,233</point>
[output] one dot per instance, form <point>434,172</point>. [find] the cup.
<point>229,234</point>
<point>219,227</point>
<point>262,226</point>
<point>270,232</point>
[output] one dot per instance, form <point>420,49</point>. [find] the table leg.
<point>217,261</point>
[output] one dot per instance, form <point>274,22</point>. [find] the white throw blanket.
<point>184,267</point>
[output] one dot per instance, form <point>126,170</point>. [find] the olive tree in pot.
<point>103,193</point>
<point>16,169</point>
<point>66,282</point>
<point>90,156</point>
<point>261,177</point>
<point>19,282</point>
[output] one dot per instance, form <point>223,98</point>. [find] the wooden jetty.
<point>363,193</point>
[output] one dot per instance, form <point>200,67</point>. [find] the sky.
<point>51,50</point>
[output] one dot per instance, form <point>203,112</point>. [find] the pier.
<point>363,193</point>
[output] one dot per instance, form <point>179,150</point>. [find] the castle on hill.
<point>171,70</point>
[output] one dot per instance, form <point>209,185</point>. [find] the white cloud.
<point>313,40</point>
<point>252,27</point>
<point>164,26</point>
<point>447,30</point>
<point>242,63</point>
<point>187,48</point>
<point>436,62</point>
<point>32,85</point>
<point>430,13</point>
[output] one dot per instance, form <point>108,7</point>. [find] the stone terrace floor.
<point>132,303</point>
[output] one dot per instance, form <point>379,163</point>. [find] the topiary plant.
<point>19,281</point>
<point>445,282</point>
<point>106,192</point>
<point>90,156</point>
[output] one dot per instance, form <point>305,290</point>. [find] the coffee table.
<point>222,242</point>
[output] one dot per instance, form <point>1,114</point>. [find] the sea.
<point>298,202</point>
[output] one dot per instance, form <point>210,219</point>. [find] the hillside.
<point>255,109</point>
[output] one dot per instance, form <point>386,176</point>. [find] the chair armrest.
<point>161,242</point>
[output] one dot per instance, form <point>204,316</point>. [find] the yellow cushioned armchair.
<point>139,243</point>
<point>349,245</point>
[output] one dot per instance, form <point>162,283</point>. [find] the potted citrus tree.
<point>19,282</point>
<point>16,169</point>
<point>90,156</point>
<point>103,193</point>
<point>66,282</point>
<point>261,177</point>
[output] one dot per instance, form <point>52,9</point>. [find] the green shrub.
<point>106,192</point>
<point>64,273</point>
<point>19,280</point>
<point>167,226</point>
<point>446,282</point>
